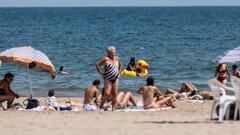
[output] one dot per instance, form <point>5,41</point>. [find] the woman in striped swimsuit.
<point>112,71</point>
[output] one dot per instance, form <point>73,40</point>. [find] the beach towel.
<point>139,108</point>
<point>89,107</point>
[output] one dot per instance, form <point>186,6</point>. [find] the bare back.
<point>148,93</point>
<point>90,94</point>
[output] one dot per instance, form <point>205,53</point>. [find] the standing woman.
<point>112,70</point>
<point>222,73</point>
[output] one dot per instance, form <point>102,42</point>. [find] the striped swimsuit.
<point>111,72</point>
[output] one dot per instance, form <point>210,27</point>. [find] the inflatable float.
<point>142,65</point>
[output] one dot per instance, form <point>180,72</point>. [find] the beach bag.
<point>232,109</point>
<point>31,103</point>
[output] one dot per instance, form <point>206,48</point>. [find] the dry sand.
<point>187,118</point>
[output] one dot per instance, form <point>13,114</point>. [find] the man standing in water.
<point>111,74</point>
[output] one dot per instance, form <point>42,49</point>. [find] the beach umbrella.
<point>231,56</point>
<point>30,59</point>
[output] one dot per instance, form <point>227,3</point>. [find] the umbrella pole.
<point>30,81</point>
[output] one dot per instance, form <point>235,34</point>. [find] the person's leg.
<point>9,99</point>
<point>120,96</point>
<point>107,92</point>
<point>166,101</point>
<point>114,95</point>
<point>128,97</point>
<point>206,95</point>
<point>186,87</point>
<point>192,87</point>
<point>131,99</point>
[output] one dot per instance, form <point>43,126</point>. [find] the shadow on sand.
<point>178,122</point>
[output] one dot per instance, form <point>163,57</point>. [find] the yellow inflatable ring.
<point>142,65</point>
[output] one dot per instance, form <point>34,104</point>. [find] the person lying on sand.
<point>188,91</point>
<point>152,97</point>
<point>91,97</point>
<point>124,99</point>
<point>69,102</point>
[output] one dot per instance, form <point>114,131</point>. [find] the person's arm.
<point>120,67</point>
<point>96,97</point>
<point>8,91</point>
<point>159,93</point>
<point>98,64</point>
<point>140,91</point>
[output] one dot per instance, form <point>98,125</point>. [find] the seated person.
<point>131,65</point>
<point>51,102</point>
<point>91,97</point>
<point>6,93</point>
<point>188,91</point>
<point>149,94</point>
<point>52,105</point>
<point>124,99</point>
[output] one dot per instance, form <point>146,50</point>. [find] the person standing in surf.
<point>111,74</point>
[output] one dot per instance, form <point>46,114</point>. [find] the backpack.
<point>31,103</point>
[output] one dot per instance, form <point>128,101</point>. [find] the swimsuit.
<point>89,107</point>
<point>222,76</point>
<point>111,72</point>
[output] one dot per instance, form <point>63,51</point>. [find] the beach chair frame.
<point>221,98</point>
<point>236,85</point>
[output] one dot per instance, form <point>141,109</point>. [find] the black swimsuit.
<point>111,72</point>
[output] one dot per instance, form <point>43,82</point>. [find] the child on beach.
<point>152,97</point>
<point>91,97</point>
<point>52,105</point>
<point>50,101</point>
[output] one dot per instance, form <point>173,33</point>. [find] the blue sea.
<point>179,43</point>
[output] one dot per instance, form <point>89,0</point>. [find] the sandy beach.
<point>187,118</point>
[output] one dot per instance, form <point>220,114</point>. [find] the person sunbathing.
<point>91,97</point>
<point>124,100</point>
<point>188,91</point>
<point>70,103</point>
<point>152,97</point>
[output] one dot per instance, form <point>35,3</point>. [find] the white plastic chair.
<point>221,98</point>
<point>236,85</point>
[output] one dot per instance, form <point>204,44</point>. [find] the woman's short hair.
<point>110,48</point>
